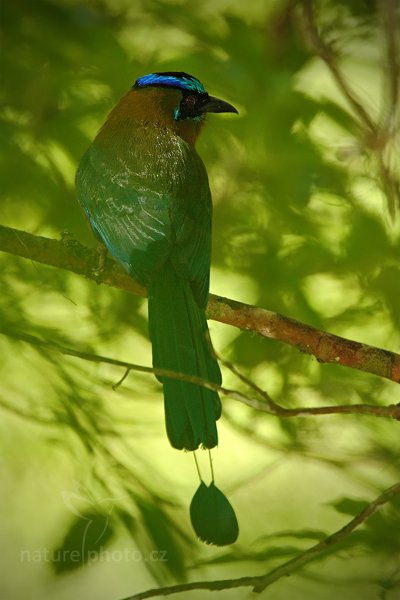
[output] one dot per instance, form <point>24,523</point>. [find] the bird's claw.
<point>100,261</point>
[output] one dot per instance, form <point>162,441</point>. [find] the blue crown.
<point>171,79</point>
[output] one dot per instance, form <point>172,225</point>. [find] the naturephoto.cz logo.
<point>100,555</point>
<point>87,537</point>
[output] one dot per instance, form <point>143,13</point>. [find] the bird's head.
<point>193,100</point>
<point>174,100</point>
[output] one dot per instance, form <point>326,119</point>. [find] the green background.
<point>302,226</point>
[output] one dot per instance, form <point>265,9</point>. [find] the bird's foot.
<point>99,261</point>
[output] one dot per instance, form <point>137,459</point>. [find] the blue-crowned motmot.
<point>145,191</point>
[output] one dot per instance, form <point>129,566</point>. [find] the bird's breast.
<point>147,156</point>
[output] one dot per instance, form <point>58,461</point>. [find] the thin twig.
<point>260,582</point>
<point>273,407</point>
<point>375,136</point>
<point>121,381</point>
<point>327,55</point>
<point>263,405</point>
<point>389,11</point>
<point>390,118</point>
<point>96,358</point>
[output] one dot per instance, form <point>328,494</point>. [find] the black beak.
<point>216,105</point>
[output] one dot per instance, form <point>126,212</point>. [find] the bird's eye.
<point>190,101</point>
<point>189,107</point>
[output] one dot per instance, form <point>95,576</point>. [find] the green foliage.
<point>165,540</point>
<point>87,535</point>
<point>303,196</point>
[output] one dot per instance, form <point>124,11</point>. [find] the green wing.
<point>146,217</point>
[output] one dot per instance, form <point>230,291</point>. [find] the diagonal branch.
<point>71,255</point>
<point>260,582</point>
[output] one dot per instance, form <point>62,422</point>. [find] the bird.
<point>146,194</point>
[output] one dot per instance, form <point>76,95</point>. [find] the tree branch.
<point>390,19</point>
<point>376,136</point>
<point>71,255</point>
<point>270,406</point>
<point>325,52</point>
<point>260,582</point>
<point>266,404</point>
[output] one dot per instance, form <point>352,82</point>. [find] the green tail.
<point>178,329</point>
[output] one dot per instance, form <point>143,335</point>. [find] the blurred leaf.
<point>163,533</point>
<point>349,506</point>
<point>86,538</point>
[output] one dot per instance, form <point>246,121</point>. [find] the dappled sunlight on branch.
<point>326,347</point>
